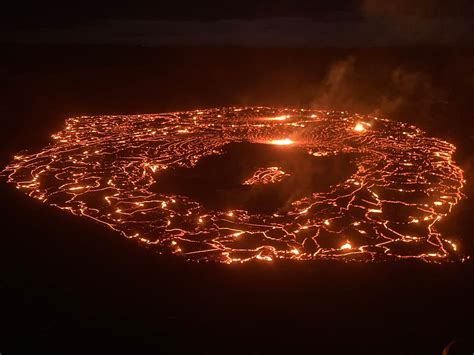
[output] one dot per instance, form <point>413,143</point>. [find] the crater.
<point>216,181</point>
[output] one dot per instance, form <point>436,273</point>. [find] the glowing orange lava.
<point>359,127</point>
<point>346,246</point>
<point>269,175</point>
<point>285,141</point>
<point>278,118</point>
<point>103,168</point>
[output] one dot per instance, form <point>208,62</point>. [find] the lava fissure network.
<point>119,171</point>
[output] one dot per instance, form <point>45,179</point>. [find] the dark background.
<point>70,286</point>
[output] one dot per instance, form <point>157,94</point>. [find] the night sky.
<point>254,23</point>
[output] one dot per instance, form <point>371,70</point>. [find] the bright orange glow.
<point>346,246</point>
<point>77,188</point>
<point>285,141</point>
<point>278,118</point>
<point>359,127</point>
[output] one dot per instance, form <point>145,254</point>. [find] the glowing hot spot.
<point>359,127</point>
<point>278,118</point>
<point>346,246</point>
<point>285,141</point>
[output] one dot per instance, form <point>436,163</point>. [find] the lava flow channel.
<point>104,167</point>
